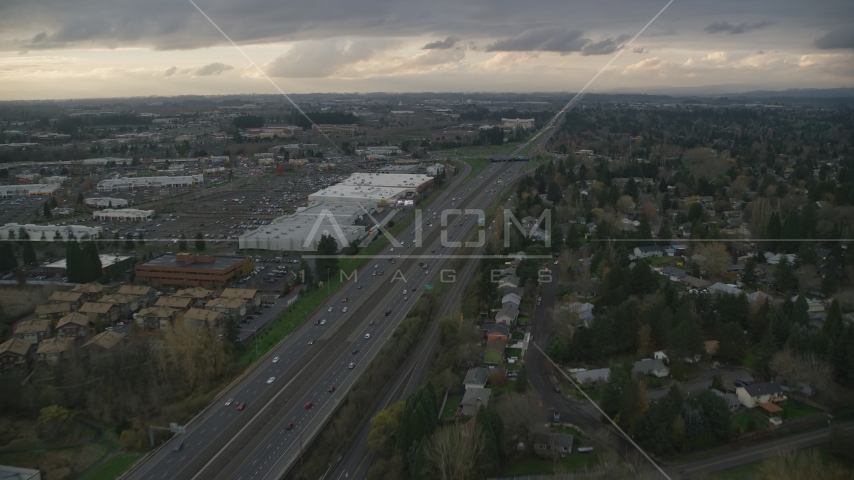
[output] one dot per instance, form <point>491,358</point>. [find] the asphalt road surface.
<point>254,443</point>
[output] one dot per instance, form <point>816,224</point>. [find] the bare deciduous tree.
<point>454,451</point>
<point>808,368</point>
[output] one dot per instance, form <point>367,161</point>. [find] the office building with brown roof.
<point>190,270</point>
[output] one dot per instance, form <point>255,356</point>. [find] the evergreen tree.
<point>685,340</point>
<point>7,257</point>
<point>182,243</point>
<point>129,241</point>
<point>665,233</point>
<point>47,213</point>
<point>748,276</point>
<point>774,228</point>
<point>307,275</point>
<point>800,311</point>
<point>786,280</point>
<point>766,350</point>
<point>733,343</point>
<point>326,268</point>
<point>829,283</point>
<point>644,232</point>
<point>522,380</point>
<point>833,324</point>
<point>200,243</point>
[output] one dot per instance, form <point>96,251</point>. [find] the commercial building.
<point>112,184</point>
<point>517,122</point>
<point>358,194</point>
<point>193,270</point>
<point>294,148</point>
<point>106,202</point>
<point>300,231</point>
<point>347,129</point>
<point>48,233</point>
<point>60,268</point>
<point>411,182</point>
<point>124,215</point>
<point>270,132</point>
<point>32,190</point>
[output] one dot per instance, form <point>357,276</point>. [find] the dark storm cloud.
<point>609,45</point>
<point>732,29</point>
<point>839,38</point>
<point>441,44</point>
<point>542,40</point>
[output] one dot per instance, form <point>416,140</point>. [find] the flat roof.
<point>106,261</point>
<point>401,180</point>
<point>303,221</point>
<point>221,262</point>
<point>368,193</point>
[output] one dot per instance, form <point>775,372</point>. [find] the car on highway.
<point>381,273</point>
<point>241,406</point>
<point>371,322</point>
<point>387,313</point>
<point>275,359</point>
<point>308,405</point>
<point>344,299</point>
<point>352,365</point>
<point>404,291</point>
<point>311,342</point>
<point>426,272</point>
<point>323,322</point>
<point>344,310</point>
<point>374,274</point>
<point>271,380</point>
<point>289,426</point>
<point>329,309</point>
<point>178,447</point>
<point>229,402</point>
<point>367,335</point>
<point>331,389</point>
<point>354,352</point>
<point>405,298</point>
<point>359,287</point>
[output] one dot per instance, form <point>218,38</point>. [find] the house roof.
<point>593,375</point>
<point>770,408</point>
<point>96,307</point>
<point>244,293</point>
<point>194,292</point>
<point>759,389</point>
<point>509,311</point>
<point>118,298</point>
<point>225,302</point>
<point>174,302</point>
<point>33,326</point>
<point>157,311</point>
<point>647,365</point>
<point>730,399</point>
<point>203,315</point>
<point>56,345</point>
<point>476,376</point>
<point>559,440</point>
<point>135,290</point>
<point>65,296</point>
<point>74,318</point>
<point>649,249</point>
<point>579,307</point>
<point>105,340</point>
<point>471,397</point>
<point>15,346</point>
<point>724,288</point>
<point>49,308</point>
<point>93,287</point>
<point>501,328</point>
<point>695,282</point>
<point>496,344</point>
<point>677,272</point>
<point>512,298</point>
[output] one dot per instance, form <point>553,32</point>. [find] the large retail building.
<point>300,231</point>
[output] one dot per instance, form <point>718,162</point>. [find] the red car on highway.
<point>241,405</point>
<point>308,405</point>
<point>331,389</point>
<point>289,426</point>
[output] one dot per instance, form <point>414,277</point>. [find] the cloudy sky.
<point>109,48</point>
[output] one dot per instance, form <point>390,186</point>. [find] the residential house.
<point>494,331</point>
<point>758,298</point>
<point>584,289</point>
<point>52,311</point>
<point>719,287</point>
<point>752,395</point>
<point>200,316</point>
<point>91,291</point>
<point>476,377</point>
<point>73,325</point>
<point>695,282</point>
<point>552,444</point>
<point>156,317</point>
<point>650,366</point>
<point>106,313</point>
<point>510,281</point>
<point>146,296</point>
<point>251,296</point>
<point>34,331</point>
<point>511,299</point>
<point>235,308</point>
<point>179,303</point>
<point>731,400</point>
<point>674,273</point>
<point>589,378</point>
<point>75,299</point>
<point>198,294</point>
<point>104,341</point>
<point>648,252</point>
<point>774,258</point>
<point>813,305</point>
<point>507,315</point>
<point>584,312</point>
<point>473,399</point>
<point>15,353</point>
<point>52,350</point>
<point>493,352</point>
<point>126,303</point>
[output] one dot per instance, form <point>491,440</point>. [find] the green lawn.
<point>535,466</point>
<point>793,413</point>
<point>517,335</point>
<point>514,352</point>
<point>525,320</point>
<point>741,419</point>
<point>751,361</point>
<point>114,467</point>
<point>451,406</point>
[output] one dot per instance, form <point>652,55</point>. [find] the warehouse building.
<point>124,215</point>
<point>49,232</point>
<point>186,269</point>
<point>32,190</point>
<point>107,260</point>
<point>106,202</point>
<point>300,231</point>
<point>411,182</point>
<point>112,184</point>
<point>359,194</point>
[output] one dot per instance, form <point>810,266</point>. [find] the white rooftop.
<point>404,180</point>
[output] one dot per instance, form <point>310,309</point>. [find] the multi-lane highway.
<point>224,442</point>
